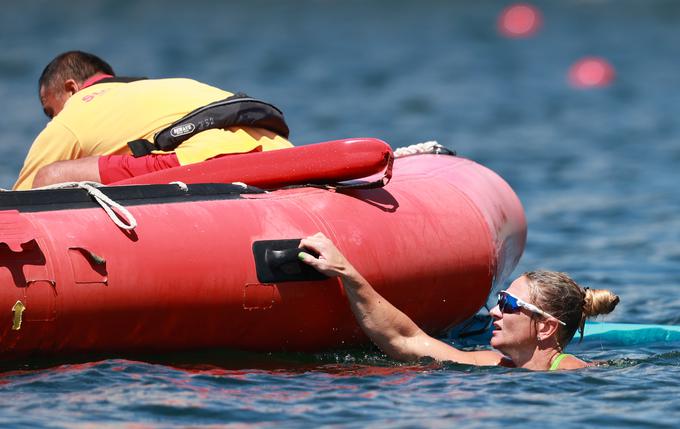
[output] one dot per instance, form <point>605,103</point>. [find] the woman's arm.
<point>390,329</point>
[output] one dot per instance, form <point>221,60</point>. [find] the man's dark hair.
<point>77,65</point>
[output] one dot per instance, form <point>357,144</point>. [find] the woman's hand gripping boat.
<point>209,264</point>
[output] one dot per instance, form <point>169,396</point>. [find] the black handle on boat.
<point>277,258</point>
<point>277,261</point>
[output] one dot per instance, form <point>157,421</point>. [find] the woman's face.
<point>514,331</point>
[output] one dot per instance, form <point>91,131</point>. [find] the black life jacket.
<point>239,110</point>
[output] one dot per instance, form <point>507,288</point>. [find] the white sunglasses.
<point>509,303</point>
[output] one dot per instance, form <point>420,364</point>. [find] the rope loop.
<point>181,185</point>
<point>421,148</point>
<point>121,216</point>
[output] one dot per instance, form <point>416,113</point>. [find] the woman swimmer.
<point>534,320</point>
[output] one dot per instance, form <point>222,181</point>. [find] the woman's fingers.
<point>330,261</point>
<point>321,265</point>
<point>308,259</point>
<point>317,242</point>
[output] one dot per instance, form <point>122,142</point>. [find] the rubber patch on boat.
<point>258,296</point>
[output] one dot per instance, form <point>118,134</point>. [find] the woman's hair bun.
<point>599,301</point>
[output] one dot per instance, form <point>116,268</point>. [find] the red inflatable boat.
<point>208,265</point>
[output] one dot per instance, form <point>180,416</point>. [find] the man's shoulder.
<point>56,127</point>
<point>102,103</point>
<point>169,86</point>
<point>171,81</point>
<point>175,88</point>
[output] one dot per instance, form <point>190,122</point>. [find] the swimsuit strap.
<point>556,362</point>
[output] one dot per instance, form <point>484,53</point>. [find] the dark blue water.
<point>597,171</point>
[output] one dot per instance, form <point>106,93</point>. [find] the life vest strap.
<point>239,110</point>
<point>141,147</point>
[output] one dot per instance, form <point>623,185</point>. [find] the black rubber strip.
<point>135,195</point>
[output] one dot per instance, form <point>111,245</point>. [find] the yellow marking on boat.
<point>18,310</point>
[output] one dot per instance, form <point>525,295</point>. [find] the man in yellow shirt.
<point>94,116</point>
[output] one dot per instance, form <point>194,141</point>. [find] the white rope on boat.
<point>121,217</point>
<point>245,187</point>
<point>419,148</point>
<point>182,186</point>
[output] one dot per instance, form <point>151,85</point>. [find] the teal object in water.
<point>614,334</point>
<point>628,334</point>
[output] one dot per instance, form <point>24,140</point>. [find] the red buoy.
<point>519,20</point>
<point>353,159</point>
<point>591,72</point>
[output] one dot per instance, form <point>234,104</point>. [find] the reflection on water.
<point>335,392</point>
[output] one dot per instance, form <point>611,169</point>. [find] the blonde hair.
<point>563,298</point>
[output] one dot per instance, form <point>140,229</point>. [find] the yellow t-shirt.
<point>101,119</point>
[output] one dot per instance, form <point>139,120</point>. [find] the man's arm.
<point>77,170</point>
<point>389,328</point>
